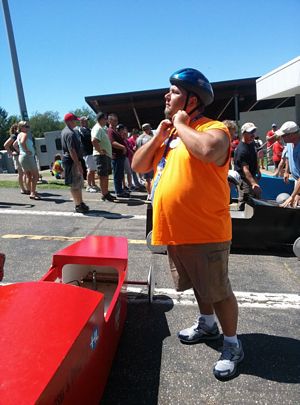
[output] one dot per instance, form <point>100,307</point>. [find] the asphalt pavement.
<point>151,366</point>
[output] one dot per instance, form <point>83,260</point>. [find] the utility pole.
<point>14,57</point>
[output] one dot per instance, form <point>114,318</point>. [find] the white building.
<point>47,148</point>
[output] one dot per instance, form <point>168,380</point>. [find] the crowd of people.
<point>247,158</point>
<point>108,148</point>
<point>104,149</point>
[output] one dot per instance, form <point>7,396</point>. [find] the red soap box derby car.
<point>59,335</point>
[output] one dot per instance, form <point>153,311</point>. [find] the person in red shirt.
<point>270,138</point>
<point>277,152</point>
<point>132,144</point>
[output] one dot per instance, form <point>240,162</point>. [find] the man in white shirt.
<point>102,153</point>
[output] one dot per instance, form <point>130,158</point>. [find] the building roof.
<point>135,108</point>
<point>283,81</point>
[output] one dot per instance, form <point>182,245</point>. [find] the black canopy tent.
<point>231,98</point>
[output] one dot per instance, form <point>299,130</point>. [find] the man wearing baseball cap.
<point>290,133</point>
<point>271,139</point>
<point>71,162</point>
<point>245,163</point>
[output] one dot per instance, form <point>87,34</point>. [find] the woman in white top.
<point>27,158</point>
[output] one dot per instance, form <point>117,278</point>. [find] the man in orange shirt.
<point>192,216</point>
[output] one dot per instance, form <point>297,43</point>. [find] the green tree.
<point>48,121</point>
<point>86,112</point>
<point>6,122</point>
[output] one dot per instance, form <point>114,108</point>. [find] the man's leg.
<point>103,184</point>
<point>77,196</point>
<point>119,174</point>
<point>205,327</point>
<point>227,313</point>
<point>243,192</point>
<point>76,191</point>
<point>117,177</point>
<point>89,179</point>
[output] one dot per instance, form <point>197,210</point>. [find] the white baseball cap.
<point>248,127</point>
<point>289,127</point>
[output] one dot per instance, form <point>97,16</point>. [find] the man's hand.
<point>291,202</point>
<point>256,190</point>
<point>181,117</point>
<point>163,130</point>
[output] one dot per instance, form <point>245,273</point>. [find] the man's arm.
<point>96,145</point>
<point>286,174</point>
<point>75,159</point>
<point>255,186</point>
<point>292,201</point>
<point>142,161</point>
<point>118,145</point>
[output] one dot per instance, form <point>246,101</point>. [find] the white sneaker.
<point>226,366</point>
<point>199,332</point>
<point>91,189</point>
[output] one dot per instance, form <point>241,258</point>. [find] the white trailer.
<point>47,148</point>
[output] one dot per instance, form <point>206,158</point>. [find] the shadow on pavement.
<point>130,201</point>
<point>107,214</point>
<point>135,375</point>
<point>271,357</point>
<point>48,194</point>
<point>10,204</point>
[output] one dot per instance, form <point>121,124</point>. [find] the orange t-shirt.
<point>191,201</point>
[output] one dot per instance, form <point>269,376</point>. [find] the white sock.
<point>231,339</point>
<point>209,320</point>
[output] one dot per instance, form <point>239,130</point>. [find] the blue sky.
<point>71,49</point>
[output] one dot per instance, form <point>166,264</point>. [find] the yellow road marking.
<point>61,238</point>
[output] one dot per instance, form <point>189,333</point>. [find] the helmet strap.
<point>186,104</point>
<point>186,100</point>
<point>194,109</point>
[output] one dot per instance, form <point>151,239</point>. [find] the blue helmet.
<point>195,82</point>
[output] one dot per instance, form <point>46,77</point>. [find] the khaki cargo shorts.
<point>203,267</point>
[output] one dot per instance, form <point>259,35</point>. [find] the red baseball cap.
<point>70,117</point>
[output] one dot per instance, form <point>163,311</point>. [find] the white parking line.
<point>61,238</point>
<point>245,299</point>
<point>187,298</point>
<point>71,214</point>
